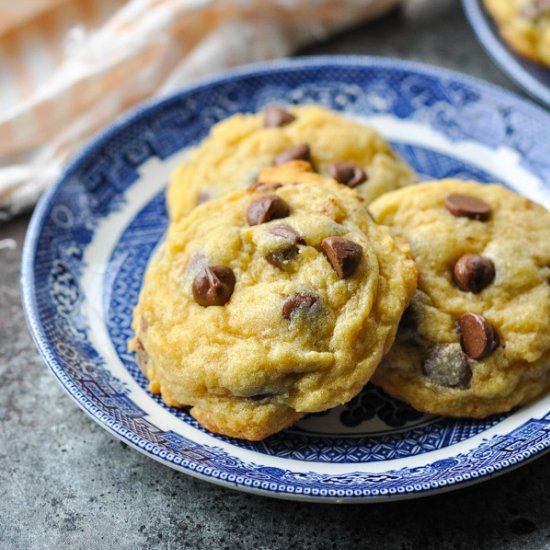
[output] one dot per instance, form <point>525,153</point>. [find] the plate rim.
<point>500,53</point>
<point>39,218</point>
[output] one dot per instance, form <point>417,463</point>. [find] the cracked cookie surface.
<point>271,303</point>
<point>237,149</point>
<point>475,340</point>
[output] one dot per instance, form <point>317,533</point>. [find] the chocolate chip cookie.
<point>239,147</point>
<point>525,25</point>
<point>476,338</point>
<point>270,303</point>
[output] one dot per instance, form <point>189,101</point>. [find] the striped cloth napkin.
<point>69,67</point>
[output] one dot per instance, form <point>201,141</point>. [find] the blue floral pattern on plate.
<point>93,232</point>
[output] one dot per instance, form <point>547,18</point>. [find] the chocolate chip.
<point>286,232</point>
<point>408,328</point>
<point>267,208</point>
<point>259,185</point>
<point>214,285</point>
<point>478,337</point>
<point>275,117</point>
<point>447,365</point>
<point>343,254</point>
<point>282,258</point>
<point>473,273</point>
<point>465,206</point>
<point>347,173</point>
<point>297,303</point>
<point>299,152</point>
<point>204,196</point>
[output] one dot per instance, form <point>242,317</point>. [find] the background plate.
<point>532,77</point>
<point>93,232</point>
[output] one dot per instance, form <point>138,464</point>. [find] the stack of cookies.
<point>302,260</point>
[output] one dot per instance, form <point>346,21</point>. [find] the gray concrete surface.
<point>65,483</point>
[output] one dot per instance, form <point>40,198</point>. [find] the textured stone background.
<point>66,483</point>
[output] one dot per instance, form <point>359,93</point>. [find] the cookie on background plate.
<point>237,149</point>
<point>525,25</point>
<point>271,303</point>
<point>475,340</point>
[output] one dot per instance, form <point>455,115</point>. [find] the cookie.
<point>525,25</point>
<point>239,147</point>
<point>271,303</point>
<point>475,340</point>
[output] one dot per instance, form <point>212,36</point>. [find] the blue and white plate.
<point>93,232</point>
<point>532,77</point>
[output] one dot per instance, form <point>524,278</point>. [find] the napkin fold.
<point>69,67</point>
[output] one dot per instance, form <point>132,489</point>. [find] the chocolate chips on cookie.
<point>344,255</point>
<point>240,147</point>
<point>473,273</point>
<point>214,285</point>
<point>298,152</point>
<point>286,232</point>
<point>276,117</point>
<point>447,365</point>
<point>296,303</point>
<point>347,173</point>
<point>267,208</point>
<point>278,335</point>
<point>478,337</point>
<point>480,345</point>
<point>465,206</point>
<point>282,258</point>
